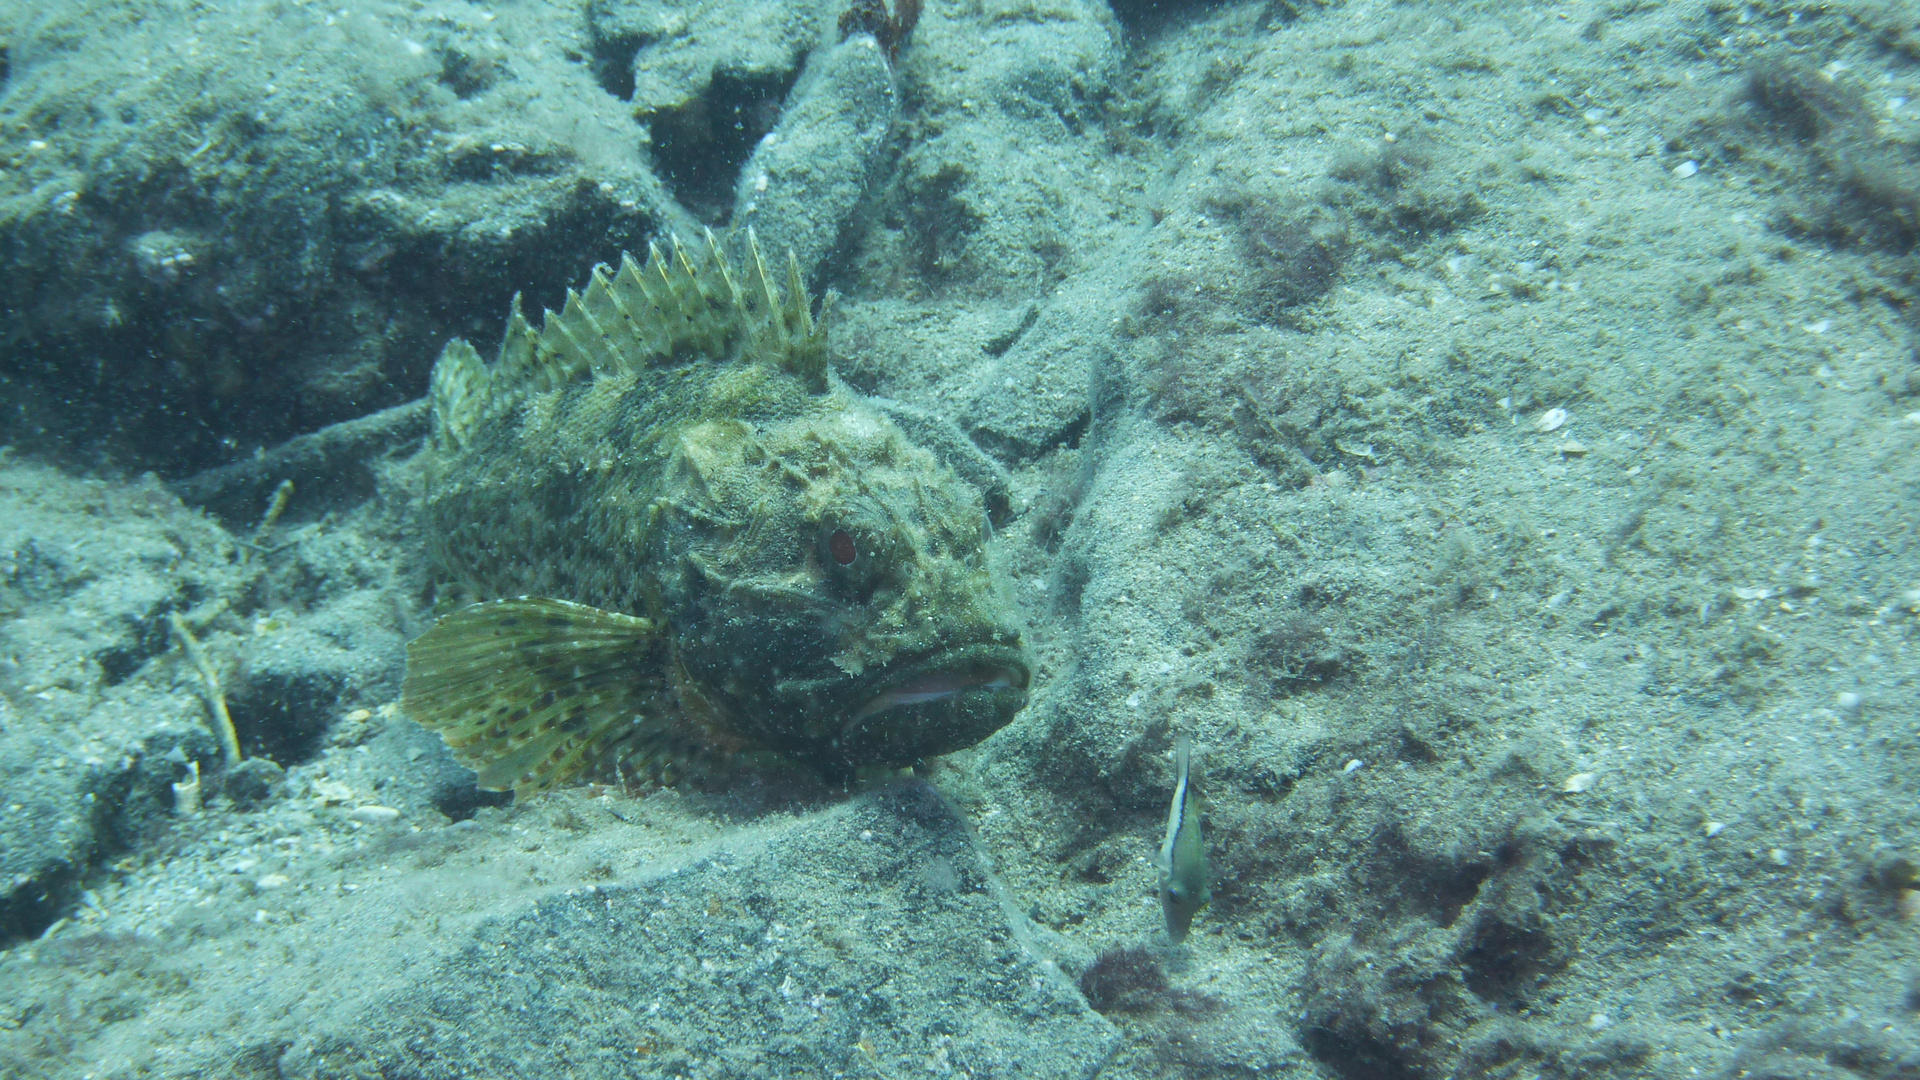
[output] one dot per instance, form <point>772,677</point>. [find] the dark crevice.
<point>284,719</point>
<point>466,74</point>
<point>1506,961</point>
<point>1357,1058</point>
<point>117,664</point>
<point>1439,888</point>
<point>999,345</point>
<point>150,638</point>
<point>1071,435</point>
<point>28,910</point>
<point>700,147</point>
<point>612,62</point>
<point>1150,18</point>
<point>460,800</point>
<point>129,805</point>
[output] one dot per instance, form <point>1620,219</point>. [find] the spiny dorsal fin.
<point>672,307</point>
<point>532,692</point>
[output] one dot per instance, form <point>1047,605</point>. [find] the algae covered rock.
<point>863,939</point>
<point>226,226</point>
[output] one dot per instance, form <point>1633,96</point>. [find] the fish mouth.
<point>949,676</point>
<point>945,703</point>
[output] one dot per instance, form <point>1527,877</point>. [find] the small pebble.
<point>1579,782</point>
<point>1847,701</point>
<point>1353,765</point>
<point>1599,1022</point>
<point>374,815</point>
<point>1715,828</point>
<point>1779,857</point>
<point>271,881</point>
<point>1685,169</point>
<point>1910,904</point>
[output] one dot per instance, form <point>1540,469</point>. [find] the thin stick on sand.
<point>216,697</point>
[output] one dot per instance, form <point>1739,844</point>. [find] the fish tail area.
<point>533,692</point>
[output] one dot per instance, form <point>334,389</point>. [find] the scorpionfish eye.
<point>852,557</point>
<point>842,548</point>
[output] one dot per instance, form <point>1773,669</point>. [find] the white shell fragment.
<point>374,815</point>
<point>1352,765</point>
<point>1579,782</point>
<point>1551,420</point>
<point>1685,169</point>
<point>1714,828</point>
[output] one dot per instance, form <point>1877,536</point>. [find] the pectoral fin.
<point>533,692</point>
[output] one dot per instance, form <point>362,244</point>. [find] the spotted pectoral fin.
<point>533,692</point>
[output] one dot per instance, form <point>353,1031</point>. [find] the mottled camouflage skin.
<point>706,495</point>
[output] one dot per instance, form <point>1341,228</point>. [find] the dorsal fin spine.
<point>516,346</point>
<point>590,334</point>
<point>678,304</point>
<point>602,307</point>
<point>799,313</point>
<point>558,356</point>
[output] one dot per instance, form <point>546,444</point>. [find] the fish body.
<point>696,550</point>
<point>1183,855</point>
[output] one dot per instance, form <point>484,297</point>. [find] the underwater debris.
<point>282,495</point>
<point>222,721</point>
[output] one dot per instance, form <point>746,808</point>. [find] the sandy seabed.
<point>1492,431</point>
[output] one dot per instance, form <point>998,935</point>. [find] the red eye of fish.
<point>840,545</point>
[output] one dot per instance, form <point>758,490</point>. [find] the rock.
<point>867,939</point>
<point>45,837</point>
<point>252,782</point>
<point>807,175</point>
<point>94,730</point>
<point>1037,393</point>
<point>279,228</point>
<point>706,81</point>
